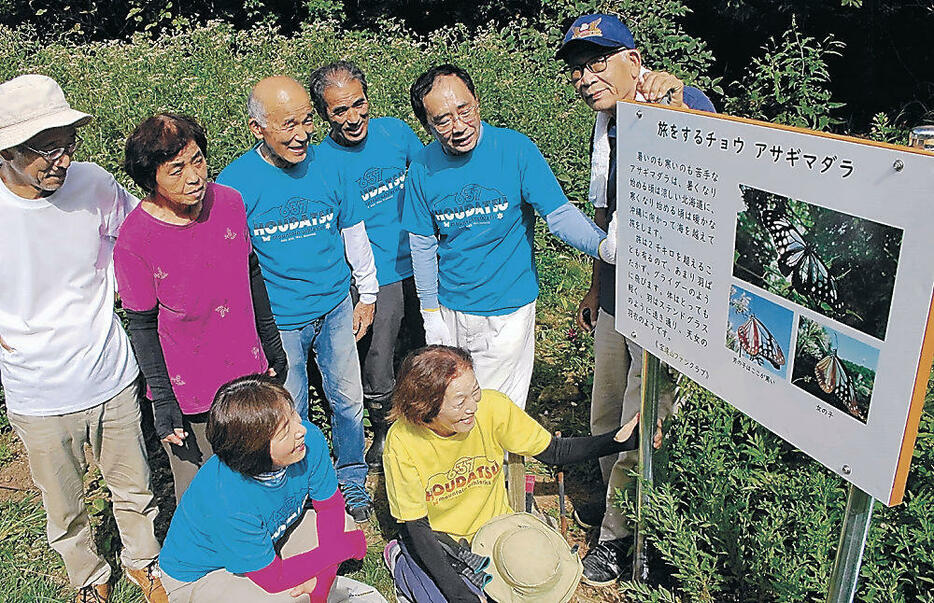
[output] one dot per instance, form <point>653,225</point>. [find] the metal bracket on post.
<point>651,371</point>
<point>849,557</point>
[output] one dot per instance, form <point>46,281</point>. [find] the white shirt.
<point>57,296</point>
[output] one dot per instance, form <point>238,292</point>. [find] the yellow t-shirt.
<point>458,481</point>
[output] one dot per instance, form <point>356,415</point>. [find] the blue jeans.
<point>331,339</point>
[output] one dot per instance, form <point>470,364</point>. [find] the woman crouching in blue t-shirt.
<point>263,519</point>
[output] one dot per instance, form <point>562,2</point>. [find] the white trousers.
<point>503,348</point>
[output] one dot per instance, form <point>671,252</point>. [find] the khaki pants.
<point>617,397</point>
<point>185,460</point>
<point>55,446</point>
<point>503,348</point>
<point>220,586</point>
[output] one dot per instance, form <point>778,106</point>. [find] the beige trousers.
<point>503,348</point>
<point>220,586</point>
<point>184,461</point>
<point>617,397</point>
<point>55,446</point>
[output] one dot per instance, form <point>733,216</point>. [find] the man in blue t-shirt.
<point>304,235</point>
<point>470,203</point>
<point>604,67</point>
<point>371,156</point>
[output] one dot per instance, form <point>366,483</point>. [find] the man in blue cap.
<point>604,66</point>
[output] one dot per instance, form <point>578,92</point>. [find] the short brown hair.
<point>245,415</point>
<point>157,140</point>
<point>423,377</point>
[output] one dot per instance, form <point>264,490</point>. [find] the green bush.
<point>743,516</point>
<point>790,82</point>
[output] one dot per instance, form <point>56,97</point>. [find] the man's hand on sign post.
<point>362,318</point>
<point>587,310</point>
<point>662,87</point>
<point>607,248</point>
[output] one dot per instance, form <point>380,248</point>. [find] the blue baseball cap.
<point>599,29</point>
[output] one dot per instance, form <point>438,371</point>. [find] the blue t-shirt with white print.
<point>228,521</point>
<point>295,217</point>
<point>373,175</point>
<point>480,205</point>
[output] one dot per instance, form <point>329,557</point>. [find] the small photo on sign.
<point>833,263</point>
<point>759,330</point>
<point>835,368</point>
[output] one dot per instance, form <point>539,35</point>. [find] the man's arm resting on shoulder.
<point>577,230</point>
<point>363,266</point>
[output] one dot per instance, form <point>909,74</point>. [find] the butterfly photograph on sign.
<point>759,330</point>
<point>834,263</point>
<point>835,368</point>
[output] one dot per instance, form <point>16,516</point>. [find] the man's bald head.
<point>281,115</point>
<point>267,91</point>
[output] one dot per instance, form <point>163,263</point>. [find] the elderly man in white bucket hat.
<point>69,377</point>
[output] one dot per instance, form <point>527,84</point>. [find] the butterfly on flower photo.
<point>757,341</point>
<point>834,367</point>
<point>833,379</point>
<point>759,329</point>
<point>797,257</point>
<point>836,264</point>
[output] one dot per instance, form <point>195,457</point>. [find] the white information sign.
<point>787,271</point>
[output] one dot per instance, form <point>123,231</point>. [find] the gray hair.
<point>330,75</point>
<point>255,110</point>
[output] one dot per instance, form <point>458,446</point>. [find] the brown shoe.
<point>95,593</point>
<point>149,580</point>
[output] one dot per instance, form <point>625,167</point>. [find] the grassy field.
<point>30,571</point>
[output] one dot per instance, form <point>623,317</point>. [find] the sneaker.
<point>150,580</point>
<point>94,593</point>
<point>359,504</point>
<point>590,515</point>
<point>604,563</point>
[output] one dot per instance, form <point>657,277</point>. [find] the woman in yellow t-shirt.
<point>444,467</point>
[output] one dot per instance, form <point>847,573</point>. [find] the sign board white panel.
<point>787,271</point>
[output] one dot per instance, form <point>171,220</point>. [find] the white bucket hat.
<point>30,104</point>
<point>529,560</point>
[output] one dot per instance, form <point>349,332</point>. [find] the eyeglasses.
<point>594,65</point>
<point>465,114</point>
<point>53,155</point>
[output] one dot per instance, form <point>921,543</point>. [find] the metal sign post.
<point>651,371</point>
<point>846,565</point>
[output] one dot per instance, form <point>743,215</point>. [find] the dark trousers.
<point>396,330</point>
<point>413,582</point>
